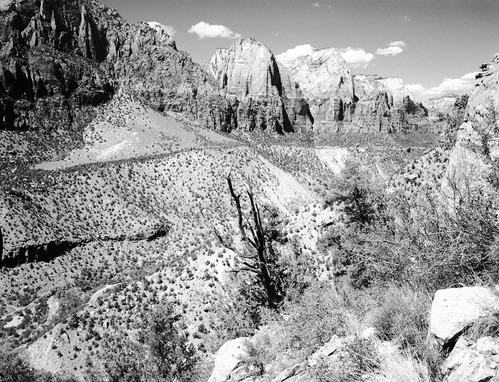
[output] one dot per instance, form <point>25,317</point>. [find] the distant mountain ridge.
<point>62,59</point>
<point>336,99</point>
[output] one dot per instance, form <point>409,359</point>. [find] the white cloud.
<point>206,30</point>
<point>390,51</point>
<point>317,5</point>
<point>399,43</point>
<point>165,28</point>
<point>356,57</point>
<point>394,48</point>
<point>460,85</point>
<point>289,57</point>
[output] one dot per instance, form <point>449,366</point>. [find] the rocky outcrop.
<point>477,141</point>
<point>48,251</point>
<point>472,354</point>
<point>439,108</point>
<point>259,91</point>
<point>453,310</point>
<point>326,82</point>
<point>385,105</point>
<point>233,363</point>
<point>228,359</point>
<point>339,101</point>
<point>473,361</point>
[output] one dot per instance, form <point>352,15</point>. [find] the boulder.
<point>473,362</point>
<point>227,359</point>
<point>455,309</point>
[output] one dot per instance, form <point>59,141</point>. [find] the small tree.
<point>357,194</point>
<point>161,354</point>
<point>174,358</point>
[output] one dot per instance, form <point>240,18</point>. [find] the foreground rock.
<point>233,363</point>
<point>473,362</point>
<point>228,359</point>
<point>453,310</point>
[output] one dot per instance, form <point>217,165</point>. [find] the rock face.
<point>473,362</point>
<point>454,309</point>
<point>477,142</point>
<point>326,82</point>
<point>385,105</point>
<point>48,58</point>
<point>259,91</point>
<point>364,103</point>
<point>439,108</point>
<point>61,59</point>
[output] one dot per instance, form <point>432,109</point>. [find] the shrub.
<point>359,359</point>
<point>402,317</point>
<point>313,319</point>
<point>396,367</point>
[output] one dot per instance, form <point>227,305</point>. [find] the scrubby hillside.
<point>141,241</point>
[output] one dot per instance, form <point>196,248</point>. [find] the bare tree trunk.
<point>255,259</point>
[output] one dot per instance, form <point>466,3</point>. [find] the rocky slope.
<point>260,92</point>
<point>61,59</point>
<point>477,141</point>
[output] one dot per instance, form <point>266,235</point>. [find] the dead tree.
<point>255,253</point>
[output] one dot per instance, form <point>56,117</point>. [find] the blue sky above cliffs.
<point>433,45</point>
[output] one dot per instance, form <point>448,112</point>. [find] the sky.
<point>435,46</point>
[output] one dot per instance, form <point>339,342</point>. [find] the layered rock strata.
<point>259,91</point>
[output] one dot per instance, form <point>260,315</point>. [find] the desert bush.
<point>15,368</point>
<point>358,193</point>
<point>396,367</point>
<point>422,242</point>
<point>360,358</point>
<point>402,317</point>
<point>161,353</point>
<point>485,326</point>
<point>259,353</point>
<point>312,319</point>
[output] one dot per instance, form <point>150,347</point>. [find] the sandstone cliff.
<point>326,82</point>
<point>61,59</point>
<point>260,92</point>
<point>439,108</point>
<point>366,103</point>
<point>384,104</point>
<point>477,141</point>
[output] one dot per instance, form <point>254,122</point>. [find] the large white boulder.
<point>228,358</point>
<point>454,309</point>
